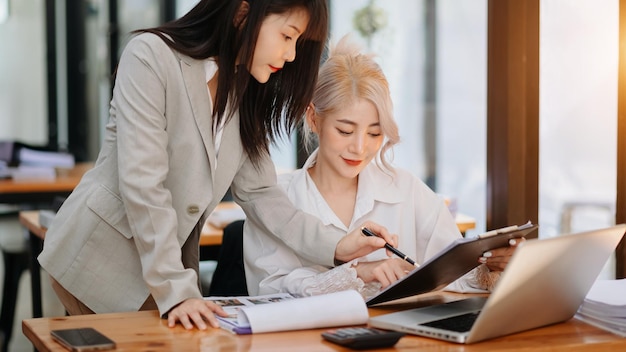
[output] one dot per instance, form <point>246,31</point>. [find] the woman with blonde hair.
<point>349,178</point>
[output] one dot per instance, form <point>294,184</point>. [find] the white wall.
<point>23,97</point>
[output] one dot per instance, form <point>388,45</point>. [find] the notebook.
<point>544,283</point>
<point>452,262</point>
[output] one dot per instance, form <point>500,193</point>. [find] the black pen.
<point>368,232</point>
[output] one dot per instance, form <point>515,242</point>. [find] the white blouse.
<point>210,68</point>
<point>402,203</point>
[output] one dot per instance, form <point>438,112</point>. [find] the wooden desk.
<point>464,223</point>
<point>30,220</point>
<point>34,190</point>
<point>211,235</point>
<point>145,331</point>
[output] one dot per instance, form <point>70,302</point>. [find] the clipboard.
<point>454,261</point>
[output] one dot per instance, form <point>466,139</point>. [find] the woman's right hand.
<point>386,271</point>
<point>195,311</point>
<point>355,244</point>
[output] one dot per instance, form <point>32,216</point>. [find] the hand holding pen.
<point>355,245</point>
<point>368,232</point>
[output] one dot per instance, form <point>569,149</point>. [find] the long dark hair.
<point>266,110</point>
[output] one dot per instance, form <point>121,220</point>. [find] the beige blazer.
<point>119,236</point>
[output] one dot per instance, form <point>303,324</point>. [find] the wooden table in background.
<point>212,235</point>
<point>145,331</point>
<point>465,223</point>
<point>36,191</point>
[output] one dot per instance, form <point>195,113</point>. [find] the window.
<point>434,56</point>
<point>578,115</point>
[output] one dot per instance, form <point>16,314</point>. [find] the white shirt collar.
<point>374,186</point>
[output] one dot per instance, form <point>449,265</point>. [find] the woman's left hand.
<point>497,259</point>
<point>195,312</point>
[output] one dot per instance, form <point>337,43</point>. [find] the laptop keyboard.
<point>459,323</point>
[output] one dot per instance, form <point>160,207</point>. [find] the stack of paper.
<point>4,170</point>
<point>26,173</point>
<point>605,306</point>
<point>52,159</point>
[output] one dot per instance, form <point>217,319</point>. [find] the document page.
<point>282,312</point>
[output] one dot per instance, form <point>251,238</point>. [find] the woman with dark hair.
<point>196,103</point>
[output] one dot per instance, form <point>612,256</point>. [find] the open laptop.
<point>544,283</point>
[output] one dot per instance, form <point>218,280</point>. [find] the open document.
<point>282,312</point>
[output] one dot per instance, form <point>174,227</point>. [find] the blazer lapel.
<point>197,91</point>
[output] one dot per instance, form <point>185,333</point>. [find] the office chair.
<point>229,278</point>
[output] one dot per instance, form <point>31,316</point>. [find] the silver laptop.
<point>544,283</point>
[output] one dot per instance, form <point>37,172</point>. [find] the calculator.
<point>360,338</point>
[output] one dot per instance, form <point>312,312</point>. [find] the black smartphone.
<point>82,339</point>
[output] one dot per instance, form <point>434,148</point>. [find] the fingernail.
<point>512,242</point>
<point>482,260</point>
<point>487,254</point>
